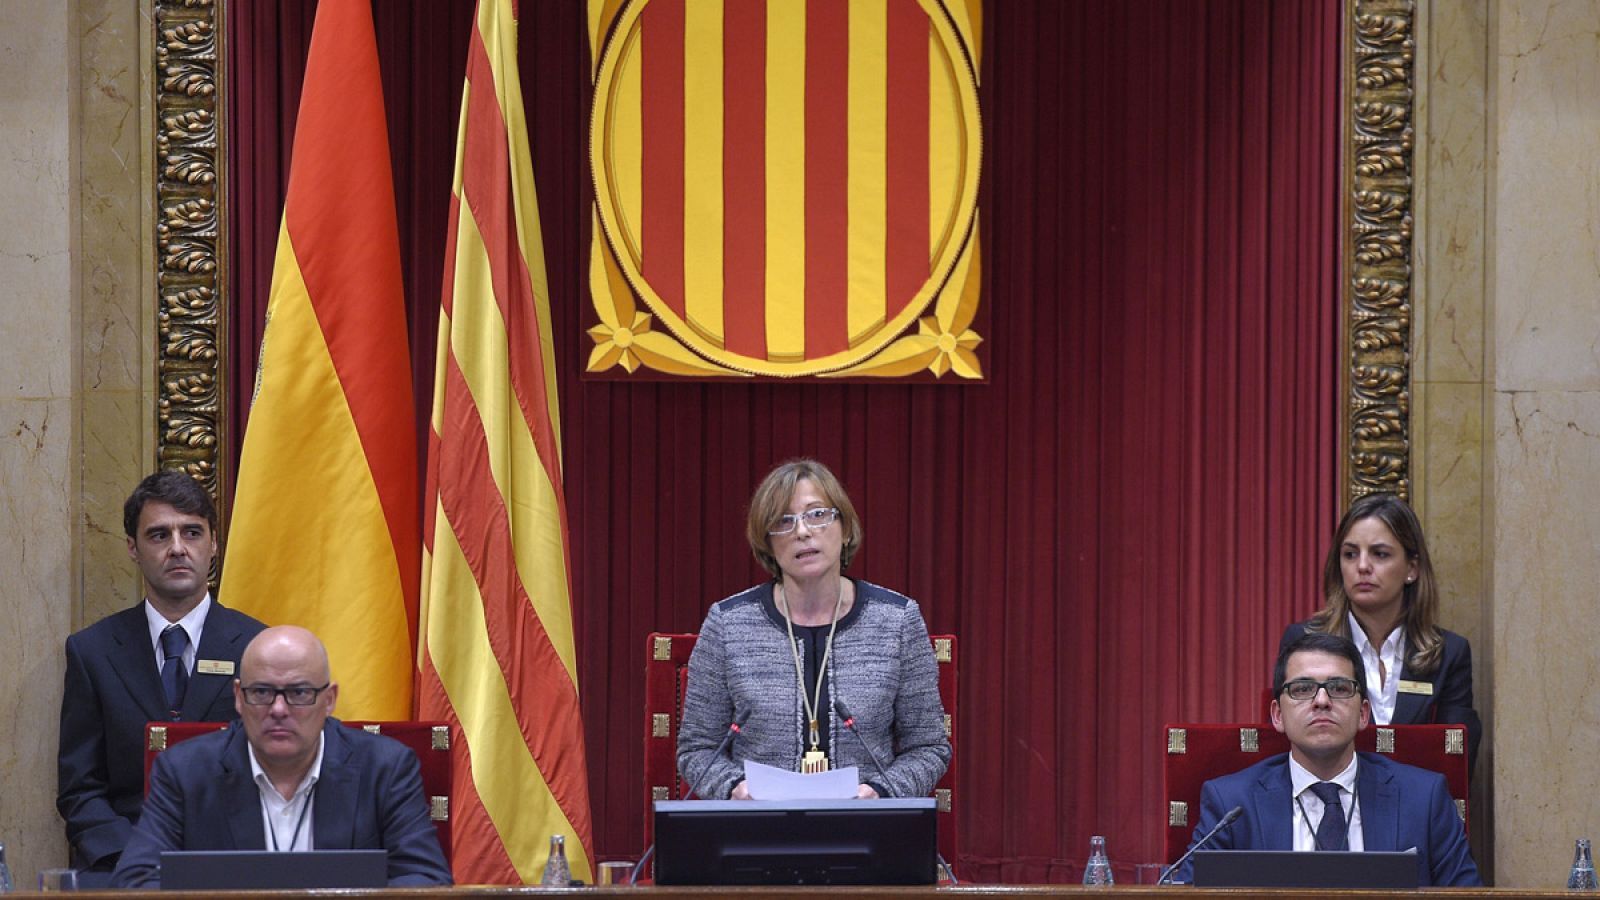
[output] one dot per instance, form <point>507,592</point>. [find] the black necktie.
<point>174,675</point>
<point>1331,834</point>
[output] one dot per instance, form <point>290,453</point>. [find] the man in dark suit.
<point>172,656</point>
<point>291,779</point>
<point>1322,794</point>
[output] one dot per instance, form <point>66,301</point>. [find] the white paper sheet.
<point>768,783</point>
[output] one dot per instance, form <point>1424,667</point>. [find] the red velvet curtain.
<point>1117,526</point>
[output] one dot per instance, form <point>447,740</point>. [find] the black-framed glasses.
<point>821,517</point>
<point>294,694</point>
<point>1303,689</point>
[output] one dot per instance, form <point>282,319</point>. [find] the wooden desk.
<point>962,892</point>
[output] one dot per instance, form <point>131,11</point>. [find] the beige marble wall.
<point>38,443</point>
<point>75,383</point>
<point>116,289</point>
<point>1544,418</point>
<point>1449,386</point>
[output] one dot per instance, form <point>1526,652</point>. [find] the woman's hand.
<point>866,792</point>
<point>740,792</point>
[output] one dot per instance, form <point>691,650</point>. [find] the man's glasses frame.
<point>1302,689</point>
<point>294,694</point>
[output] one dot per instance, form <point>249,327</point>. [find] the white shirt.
<point>287,823</point>
<point>1305,826</point>
<point>1381,692</point>
<point>193,624</point>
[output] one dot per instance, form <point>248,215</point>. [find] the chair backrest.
<point>666,678</point>
<point>1196,753</point>
<point>430,741</point>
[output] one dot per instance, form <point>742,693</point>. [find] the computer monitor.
<point>216,870</point>
<point>1380,870</point>
<point>706,842</point>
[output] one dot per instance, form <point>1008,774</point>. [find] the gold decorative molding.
<point>190,270</point>
<point>1380,77</point>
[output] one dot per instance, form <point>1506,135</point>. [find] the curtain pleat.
<point>1118,525</point>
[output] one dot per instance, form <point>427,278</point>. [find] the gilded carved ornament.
<point>1380,69</point>
<point>189,252</point>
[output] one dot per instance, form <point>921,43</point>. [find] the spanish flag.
<point>325,525</point>
<point>496,654</point>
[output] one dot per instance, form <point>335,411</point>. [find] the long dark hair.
<point>1419,604</point>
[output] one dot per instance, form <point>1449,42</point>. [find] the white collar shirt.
<point>1308,807</point>
<point>287,822</point>
<point>1381,692</point>
<point>193,624</point>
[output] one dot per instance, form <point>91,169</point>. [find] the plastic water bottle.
<point>556,871</point>
<point>1098,871</point>
<point>1582,877</point>
<point>5,872</point>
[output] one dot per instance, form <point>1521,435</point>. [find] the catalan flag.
<point>496,656</point>
<point>325,525</point>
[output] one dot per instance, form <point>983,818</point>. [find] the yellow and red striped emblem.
<point>788,187</point>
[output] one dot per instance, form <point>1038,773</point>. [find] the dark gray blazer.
<point>369,797</point>
<point>882,666</point>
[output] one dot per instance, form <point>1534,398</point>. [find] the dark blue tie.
<point>1332,833</point>
<point>174,675</point>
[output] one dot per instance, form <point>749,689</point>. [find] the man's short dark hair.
<point>1319,642</point>
<point>174,488</point>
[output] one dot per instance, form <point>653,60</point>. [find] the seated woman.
<point>784,658</point>
<point>1381,593</point>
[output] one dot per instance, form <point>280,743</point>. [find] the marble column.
<point>1544,277</point>
<point>76,389</point>
<point>38,440</point>
<point>1448,373</point>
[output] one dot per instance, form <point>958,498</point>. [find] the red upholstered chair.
<point>1197,753</point>
<point>666,678</point>
<point>429,740</point>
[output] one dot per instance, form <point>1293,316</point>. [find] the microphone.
<point>1227,819</point>
<point>734,728</point>
<point>850,724</point>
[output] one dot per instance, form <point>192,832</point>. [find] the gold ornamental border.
<point>1380,78</point>
<point>1379,59</point>
<point>190,244</point>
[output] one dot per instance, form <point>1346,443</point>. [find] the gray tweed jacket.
<point>882,666</point>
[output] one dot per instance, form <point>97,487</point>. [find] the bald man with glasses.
<point>1322,794</point>
<point>292,778</point>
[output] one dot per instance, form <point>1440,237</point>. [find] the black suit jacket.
<point>112,689</point>
<point>369,797</point>
<point>1451,700</point>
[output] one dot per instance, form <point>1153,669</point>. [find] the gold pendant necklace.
<point>814,759</point>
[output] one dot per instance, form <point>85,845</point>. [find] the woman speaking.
<point>795,661</point>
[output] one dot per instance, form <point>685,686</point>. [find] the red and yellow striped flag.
<point>496,655</point>
<point>324,531</point>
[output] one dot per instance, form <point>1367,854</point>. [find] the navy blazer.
<point>368,797</point>
<point>113,688</point>
<point>1401,807</point>
<point>1451,700</point>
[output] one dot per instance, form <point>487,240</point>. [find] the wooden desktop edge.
<point>999,892</point>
